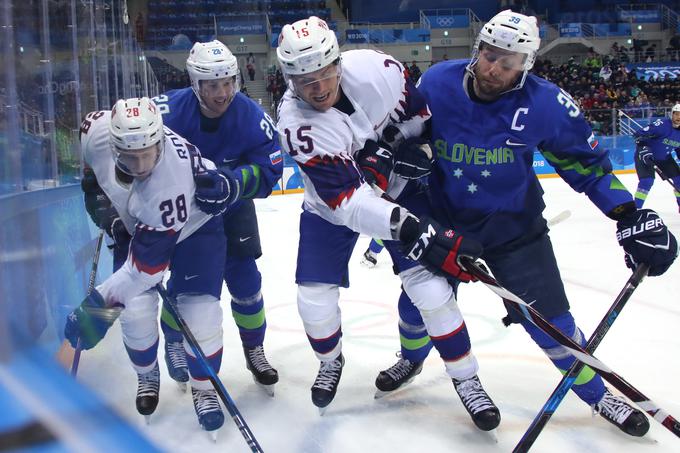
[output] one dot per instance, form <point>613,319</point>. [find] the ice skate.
<point>148,385</point>
<point>481,408</point>
<point>208,410</point>
<point>326,383</point>
<point>176,361</point>
<point>263,373</point>
<point>397,376</point>
<point>370,259</point>
<point>618,412</point>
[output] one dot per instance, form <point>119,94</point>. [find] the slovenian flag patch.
<point>592,141</point>
<point>276,157</point>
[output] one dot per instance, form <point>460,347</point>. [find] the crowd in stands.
<point>600,84</point>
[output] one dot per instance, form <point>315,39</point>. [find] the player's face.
<point>496,71</point>
<point>675,119</point>
<point>319,88</point>
<point>216,95</point>
<point>138,162</point>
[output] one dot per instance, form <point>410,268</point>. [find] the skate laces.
<point>205,401</point>
<point>257,359</point>
<point>176,354</point>
<point>473,395</point>
<point>400,369</point>
<point>612,407</point>
<point>148,383</point>
<point>328,374</point>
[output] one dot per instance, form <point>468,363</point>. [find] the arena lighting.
<point>446,33</point>
<point>241,39</point>
<point>629,41</point>
<point>427,47</point>
<point>639,27</point>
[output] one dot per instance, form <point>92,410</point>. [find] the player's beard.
<point>490,88</point>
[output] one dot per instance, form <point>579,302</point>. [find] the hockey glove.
<point>413,159</point>
<point>438,248</point>
<point>101,210</point>
<point>90,321</point>
<point>645,239</point>
<point>216,190</point>
<point>646,156</point>
<point>376,162</point>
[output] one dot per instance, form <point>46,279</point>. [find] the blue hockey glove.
<point>645,239</point>
<point>438,248</point>
<point>100,209</point>
<point>90,321</point>
<point>376,162</point>
<point>646,156</point>
<point>216,190</point>
<point>413,158</point>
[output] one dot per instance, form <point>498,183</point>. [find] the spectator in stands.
<point>674,46</point>
<point>415,72</point>
<point>605,73</point>
<point>650,53</point>
<point>139,27</point>
<point>250,66</point>
<point>593,60</point>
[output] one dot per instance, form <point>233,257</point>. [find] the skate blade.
<point>381,393</point>
<point>268,389</point>
<point>147,419</point>
<point>213,435</point>
<point>493,435</point>
<point>322,410</point>
<point>182,386</point>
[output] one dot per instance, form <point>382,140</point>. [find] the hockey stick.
<point>569,379</point>
<point>561,217</point>
<point>528,312</point>
<point>247,434</point>
<point>67,356</point>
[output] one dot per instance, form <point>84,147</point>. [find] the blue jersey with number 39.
<point>483,181</point>
<point>244,138</point>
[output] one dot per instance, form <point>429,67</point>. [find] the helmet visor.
<point>137,162</point>
<point>506,59</point>
<point>303,82</point>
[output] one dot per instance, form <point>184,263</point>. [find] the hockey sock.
<point>413,336</point>
<point>145,360</point>
<point>199,374</point>
<point>589,386</point>
<point>376,246</point>
<point>169,327</point>
<point>249,316</point>
<point>644,185</point>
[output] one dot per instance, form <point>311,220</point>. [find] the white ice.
<point>642,346</point>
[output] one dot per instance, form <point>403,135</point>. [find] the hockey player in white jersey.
<point>331,121</point>
<point>147,171</point>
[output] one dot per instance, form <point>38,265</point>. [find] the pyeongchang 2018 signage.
<point>655,71</point>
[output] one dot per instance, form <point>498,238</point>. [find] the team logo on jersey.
<point>276,157</point>
<point>592,141</point>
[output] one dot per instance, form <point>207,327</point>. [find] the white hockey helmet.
<point>136,135</point>
<point>307,46</point>
<point>676,108</point>
<point>512,32</point>
<point>210,61</point>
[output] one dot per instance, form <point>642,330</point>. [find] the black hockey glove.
<point>90,321</point>
<point>646,156</point>
<point>376,162</point>
<point>216,190</point>
<point>438,248</point>
<point>100,209</point>
<point>645,239</point>
<point>413,158</point>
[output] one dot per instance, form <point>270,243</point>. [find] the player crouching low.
<point>150,182</point>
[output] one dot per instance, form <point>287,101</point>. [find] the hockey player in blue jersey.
<point>654,147</point>
<point>231,130</point>
<point>488,116</point>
